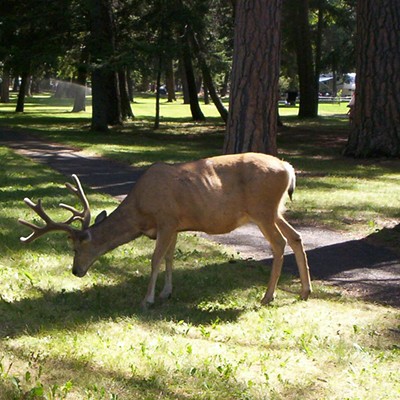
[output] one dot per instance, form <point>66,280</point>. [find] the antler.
<point>83,216</point>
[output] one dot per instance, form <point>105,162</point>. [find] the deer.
<point>214,195</point>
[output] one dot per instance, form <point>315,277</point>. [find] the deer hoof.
<point>146,305</point>
<point>165,295</point>
<point>267,300</point>
<point>164,299</point>
<point>304,295</point>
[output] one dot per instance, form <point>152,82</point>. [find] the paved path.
<point>107,176</point>
<point>363,269</point>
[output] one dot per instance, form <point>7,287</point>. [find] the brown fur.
<point>213,195</point>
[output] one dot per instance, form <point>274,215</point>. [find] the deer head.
<point>80,237</point>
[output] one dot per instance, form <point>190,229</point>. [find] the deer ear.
<point>101,217</point>
<point>85,237</point>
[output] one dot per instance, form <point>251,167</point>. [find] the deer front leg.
<point>164,239</point>
<point>169,258</point>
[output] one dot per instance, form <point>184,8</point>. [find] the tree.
<point>195,109</point>
<point>208,81</point>
<point>105,87</point>
<point>376,118</point>
<point>252,120</point>
<point>297,24</point>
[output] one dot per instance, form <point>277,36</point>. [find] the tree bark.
<point>252,121</point>
<point>308,107</point>
<point>5,85</point>
<point>106,100</point>
<point>22,92</point>
<point>157,117</point>
<point>80,95</point>
<point>170,80</point>
<point>375,127</point>
<point>185,90</point>
<point>80,87</point>
<point>195,109</point>
<point>208,81</point>
<point>126,109</point>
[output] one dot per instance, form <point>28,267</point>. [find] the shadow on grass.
<point>67,310</point>
<point>353,265</point>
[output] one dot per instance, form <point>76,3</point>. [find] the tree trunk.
<point>206,97</point>
<point>208,81</point>
<point>28,86</point>
<point>224,88</point>
<point>252,121</point>
<point>157,118</point>
<point>376,118</point>
<point>170,80</point>
<point>5,85</point>
<point>16,84</point>
<point>80,96</point>
<point>195,109</point>
<point>126,109</point>
<point>80,87</point>
<point>185,90</point>
<point>106,102</point>
<point>130,84</point>
<point>308,90</point>
<point>22,92</point>
<point>318,46</point>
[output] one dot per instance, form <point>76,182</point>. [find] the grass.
<point>67,338</point>
<point>338,192</point>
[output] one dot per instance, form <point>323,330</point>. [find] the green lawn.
<point>67,338</point>
<point>332,191</point>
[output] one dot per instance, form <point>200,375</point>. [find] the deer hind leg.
<point>169,257</point>
<point>278,243</point>
<point>295,242</point>
<point>165,238</point>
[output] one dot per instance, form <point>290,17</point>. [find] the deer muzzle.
<point>78,272</point>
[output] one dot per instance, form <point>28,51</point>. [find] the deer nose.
<point>78,272</point>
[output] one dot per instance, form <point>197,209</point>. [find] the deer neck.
<point>120,227</point>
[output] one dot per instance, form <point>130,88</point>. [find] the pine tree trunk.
<point>195,109</point>
<point>308,90</point>
<point>80,87</point>
<point>376,117</point>
<point>208,81</point>
<point>185,90</point>
<point>158,84</point>
<point>252,121</point>
<point>126,109</point>
<point>22,91</point>
<point>106,100</point>
<point>5,85</point>
<point>170,80</point>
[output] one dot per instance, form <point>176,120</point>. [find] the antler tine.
<point>41,230</point>
<point>84,215</point>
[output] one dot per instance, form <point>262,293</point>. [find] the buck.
<point>213,195</point>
